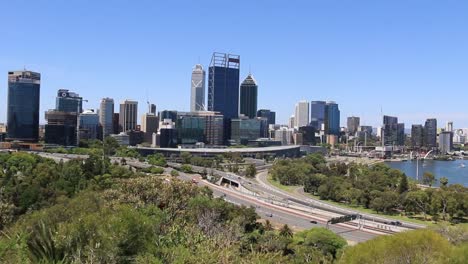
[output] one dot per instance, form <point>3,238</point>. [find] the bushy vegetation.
<point>90,211</point>
<point>377,187</point>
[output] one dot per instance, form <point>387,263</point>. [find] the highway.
<point>269,203</point>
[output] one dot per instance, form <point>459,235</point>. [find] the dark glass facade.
<point>223,88</point>
<point>23,106</point>
<point>332,119</point>
<point>68,101</point>
<point>394,132</point>
<point>308,135</point>
<point>417,135</point>
<point>168,114</point>
<point>167,138</point>
<point>243,130</point>
<point>248,97</point>
<point>60,128</point>
<point>190,129</point>
<point>317,114</point>
<point>430,133</point>
<point>268,114</point>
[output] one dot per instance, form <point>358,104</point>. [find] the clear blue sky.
<point>408,57</point>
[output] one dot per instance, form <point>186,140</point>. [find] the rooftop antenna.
<point>147,102</point>
<point>250,72</point>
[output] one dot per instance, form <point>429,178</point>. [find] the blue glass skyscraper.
<point>23,106</point>
<point>223,84</point>
<point>332,118</point>
<point>317,114</point>
<point>223,88</point>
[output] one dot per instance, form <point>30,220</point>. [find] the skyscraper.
<point>223,85</point>
<point>128,115</point>
<point>106,114</point>
<point>248,97</point>
<point>445,142</point>
<point>317,114</point>
<point>223,88</point>
<point>332,118</point>
<point>69,102</point>
<point>430,133</point>
<point>301,114</point>
<point>197,99</point>
<point>353,124</point>
<point>23,106</point>
<point>393,132</point>
<point>417,135</point>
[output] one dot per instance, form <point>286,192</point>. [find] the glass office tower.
<point>223,88</point>
<point>23,106</point>
<point>248,97</point>
<point>317,114</point>
<point>332,118</point>
<point>69,102</point>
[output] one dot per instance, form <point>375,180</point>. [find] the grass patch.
<point>291,189</point>
<point>278,185</point>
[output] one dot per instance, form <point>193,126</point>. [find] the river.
<point>452,170</point>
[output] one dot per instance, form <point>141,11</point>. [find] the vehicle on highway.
<point>269,214</point>
<point>313,222</point>
<point>396,223</point>
<point>194,181</point>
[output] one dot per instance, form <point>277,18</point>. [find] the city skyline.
<point>383,54</point>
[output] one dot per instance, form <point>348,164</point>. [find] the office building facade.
<point>149,125</point>
<point>393,132</point>
<point>69,102</point>
<point>23,106</point>
<point>445,142</point>
<point>244,129</point>
<point>106,116</point>
<point>332,118</point>
<point>248,97</point>
<point>128,115</point>
<point>301,114</point>
<point>317,114</point>
<point>60,128</point>
<point>197,98</point>
<point>223,88</point>
<point>268,114</point>
<point>417,136</point>
<point>353,123</point>
<point>430,133</point>
<point>89,125</point>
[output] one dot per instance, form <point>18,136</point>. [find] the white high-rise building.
<point>197,100</point>
<point>449,126</point>
<point>128,115</point>
<point>301,115</point>
<point>106,114</point>
<point>292,121</point>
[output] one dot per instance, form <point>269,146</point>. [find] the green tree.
<point>403,185</point>
<point>428,178</point>
<point>186,157</point>
<point>321,238</point>
<point>443,181</point>
<point>251,171</point>
<point>420,246</point>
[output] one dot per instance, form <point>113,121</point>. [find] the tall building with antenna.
<point>197,99</point>
<point>223,88</point>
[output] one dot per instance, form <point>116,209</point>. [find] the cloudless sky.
<point>407,57</point>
